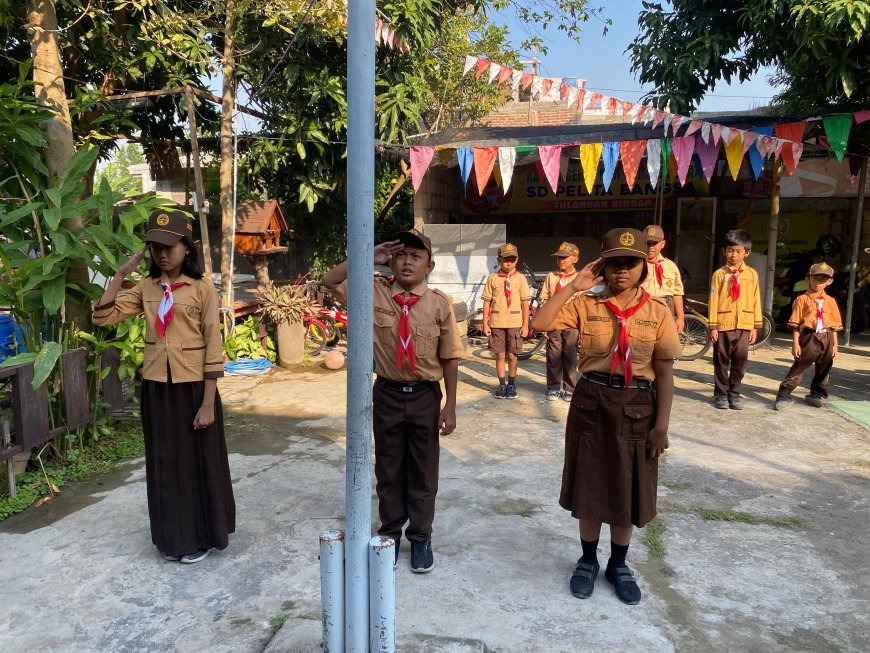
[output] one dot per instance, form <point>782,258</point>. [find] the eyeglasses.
<point>624,263</point>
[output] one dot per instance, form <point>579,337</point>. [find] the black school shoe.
<point>583,579</point>
<point>500,392</point>
<point>734,402</point>
<point>422,560</point>
<point>623,582</point>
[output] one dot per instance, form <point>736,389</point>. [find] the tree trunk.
<point>226,171</point>
<point>50,91</point>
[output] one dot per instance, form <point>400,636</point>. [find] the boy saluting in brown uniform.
<point>416,344</point>
<point>663,280</point>
<point>735,317</point>
<point>815,320</point>
<point>561,343</point>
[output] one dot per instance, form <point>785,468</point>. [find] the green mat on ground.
<point>857,410</point>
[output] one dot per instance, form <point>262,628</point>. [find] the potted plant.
<point>287,307</point>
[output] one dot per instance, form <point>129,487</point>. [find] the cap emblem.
<point>162,220</point>
<point>651,231</point>
<point>626,239</point>
<point>189,227</point>
<point>509,248</point>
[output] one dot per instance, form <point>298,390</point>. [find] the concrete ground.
<point>763,543</point>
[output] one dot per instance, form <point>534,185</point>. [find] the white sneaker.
<point>553,395</point>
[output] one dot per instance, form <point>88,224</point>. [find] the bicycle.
<point>316,335</point>
<point>532,343</point>
<point>695,337</point>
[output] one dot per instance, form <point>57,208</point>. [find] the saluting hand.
<point>586,278</point>
<point>130,265</point>
<point>385,251</point>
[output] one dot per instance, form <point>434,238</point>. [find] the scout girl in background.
<point>190,494</point>
<point>618,420</point>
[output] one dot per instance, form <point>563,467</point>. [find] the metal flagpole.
<point>360,239</point>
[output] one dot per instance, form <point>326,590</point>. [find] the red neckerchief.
<point>507,284</point>
<point>166,310</point>
<point>622,351</point>
<point>561,282</point>
<point>405,344</point>
<point>735,283</point>
<point>660,271</point>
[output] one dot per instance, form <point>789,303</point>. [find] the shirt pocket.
<point>637,422</point>
<point>193,352</point>
<point>595,338</point>
<point>642,341</point>
<point>426,339</point>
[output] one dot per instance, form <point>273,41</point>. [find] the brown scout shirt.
<point>548,289</point>
<point>652,334</point>
<point>725,313</point>
<point>433,329</point>
<point>192,343</point>
<point>804,313</point>
<point>672,280</point>
<point>502,315</point>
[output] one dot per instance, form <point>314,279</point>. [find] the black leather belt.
<point>401,386</point>
<point>617,381</point>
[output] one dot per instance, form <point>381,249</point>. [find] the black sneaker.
<point>510,391</point>
<point>783,403</point>
<point>422,560</point>
<point>720,401</point>
<point>192,558</point>
<point>500,391</point>
<point>734,402</point>
<point>583,579</point>
<point>815,400</point>
<point>623,582</point>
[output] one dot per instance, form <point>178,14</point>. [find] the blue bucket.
<point>9,333</point>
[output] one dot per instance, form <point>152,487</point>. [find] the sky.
<point>604,64</point>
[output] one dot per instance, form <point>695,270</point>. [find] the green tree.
<point>117,171</point>
<point>820,50</point>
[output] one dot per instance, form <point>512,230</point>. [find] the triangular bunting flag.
<point>668,120</point>
<point>679,121</point>
<point>421,157</point>
<point>605,104</point>
<point>631,153</point>
<point>758,150</point>
<point>553,92</point>
<point>484,161</point>
<point>790,131</point>
<point>564,90</point>
<point>666,156</point>
<point>549,155</point>
<point>528,78</point>
<point>708,152</point>
<point>626,108</point>
<point>573,92</point>
<point>507,157</point>
<point>682,148</point>
<point>469,64</point>
<point>546,85</point>
<point>482,65</point>
<point>581,98</point>
<point>516,78</point>
<point>734,153</point>
<point>658,116</point>
<point>563,164</point>
<point>653,160</point>
<point>614,106</point>
<point>494,71</point>
<point>726,133</point>
<point>465,157</point>
<point>716,133</point>
<point>748,139</point>
<point>504,75</point>
<point>590,155</point>
<point>694,126</point>
<point>862,116</point>
<point>592,99</point>
<point>765,144</point>
<point>837,129</point>
<point>609,155</point>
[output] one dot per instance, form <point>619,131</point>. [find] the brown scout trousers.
<point>818,349</point>
<point>562,359</point>
<point>407,448</point>
<point>731,350</point>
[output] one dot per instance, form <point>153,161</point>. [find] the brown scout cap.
<point>414,238</point>
<point>168,227</point>
<point>623,242</point>
<point>821,268</point>
<point>654,232</point>
<point>567,249</point>
<point>508,249</point>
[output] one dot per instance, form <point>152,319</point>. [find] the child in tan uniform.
<point>735,317</point>
<point>416,344</point>
<point>618,420</point>
<point>506,299</point>
<point>561,344</point>
<point>663,280</point>
<point>815,321</point>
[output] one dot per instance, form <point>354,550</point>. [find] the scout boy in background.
<point>735,317</point>
<point>416,344</point>
<point>815,320</point>
<point>618,420</point>
<point>562,343</point>
<point>663,280</point>
<point>506,317</point>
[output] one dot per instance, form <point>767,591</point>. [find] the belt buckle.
<point>407,388</point>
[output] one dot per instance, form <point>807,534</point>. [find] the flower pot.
<point>291,343</point>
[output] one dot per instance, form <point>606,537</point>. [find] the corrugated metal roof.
<point>253,216</point>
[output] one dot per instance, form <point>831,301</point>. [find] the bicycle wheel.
<point>532,345</point>
<point>695,338</point>
<point>315,338</point>
<point>475,329</point>
<point>768,326</point>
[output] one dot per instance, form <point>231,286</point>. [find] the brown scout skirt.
<point>607,475</point>
<point>190,492</point>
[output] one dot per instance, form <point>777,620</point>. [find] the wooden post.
<point>227,186</point>
<point>200,191</point>
<point>856,241</point>
<point>772,239</point>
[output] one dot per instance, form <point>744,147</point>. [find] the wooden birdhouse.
<point>259,225</point>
